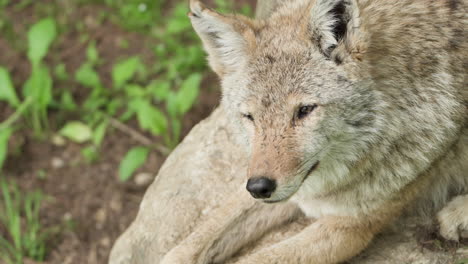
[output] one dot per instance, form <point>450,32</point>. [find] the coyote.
<point>355,110</point>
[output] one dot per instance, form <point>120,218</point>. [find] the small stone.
<point>100,216</point>
<point>142,7</point>
<point>57,163</point>
<point>143,179</point>
<point>105,242</point>
<point>58,140</point>
<point>116,205</point>
<point>91,21</point>
<point>67,216</point>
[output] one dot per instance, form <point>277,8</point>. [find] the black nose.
<point>261,187</point>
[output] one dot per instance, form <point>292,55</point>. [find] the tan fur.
<point>389,131</point>
<point>453,219</point>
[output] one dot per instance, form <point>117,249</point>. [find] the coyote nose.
<point>261,187</point>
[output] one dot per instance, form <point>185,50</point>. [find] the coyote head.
<point>284,82</point>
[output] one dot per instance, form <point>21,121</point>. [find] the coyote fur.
<point>355,110</point>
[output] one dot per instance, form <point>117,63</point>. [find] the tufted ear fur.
<point>330,22</point>
<point>227,39</point>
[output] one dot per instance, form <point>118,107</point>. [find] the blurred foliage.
<point>134,159</point>
<point>157,95</point>
<point>137,14</point>
<point>27,238</point>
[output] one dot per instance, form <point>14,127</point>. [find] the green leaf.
<point>246,10</point>
<point>114,105</point>
<point>124,71</point>
<point>149,117</point>
<point>40,36</point>
<point>178,21</point>
<point>5,135</point>
<point>160,89</point>
<point>134,159</point>
<point>99,133</point>
<point>60,72</point>
<point>77,132</point>
<point>87,76</point>
<point>171,104</point>
<point>7,91</point>
<point>92,53</point>
<point>188,93</point>
<point>127,115</point>
<point>96,100</point>
<point>176,129</point>
<point>67,102</point>
<point>134,90</point>
<point>90,153</point>
<point>39,86</point>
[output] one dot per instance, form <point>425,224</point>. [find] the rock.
<point>67,216</point>
<point>143,179</point>
<point>58,140</point>
<point>206,166</point>
<point>57,163</point>
<point>100,217</point>
<point>105,242</point>
<point>116,204</point>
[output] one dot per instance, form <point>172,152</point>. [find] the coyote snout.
<point>276,172</point>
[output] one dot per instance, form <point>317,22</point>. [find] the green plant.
<point>95,124</point>
<point>39,84</point>
<point>8,94</point>
<point>4,3</point>
<point>4,137</point>
<point>37,90</point>
<point>137,14</point>
<point>19,216</point>
<point>156,97</point>
<point>127,99</point>
<point>132,161</point>
<point>7,91</point>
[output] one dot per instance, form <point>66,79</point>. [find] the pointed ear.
<point>331,21</point>
<point>227,39</point>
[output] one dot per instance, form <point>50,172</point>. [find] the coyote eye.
<point>248,116</point>
<point>304,111</point>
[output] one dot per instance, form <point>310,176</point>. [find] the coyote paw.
<point>453,219</point>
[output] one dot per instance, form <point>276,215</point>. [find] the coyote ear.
<point>330,22</point>
<point>225,38</point>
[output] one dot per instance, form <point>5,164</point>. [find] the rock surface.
<point>204,169</point>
